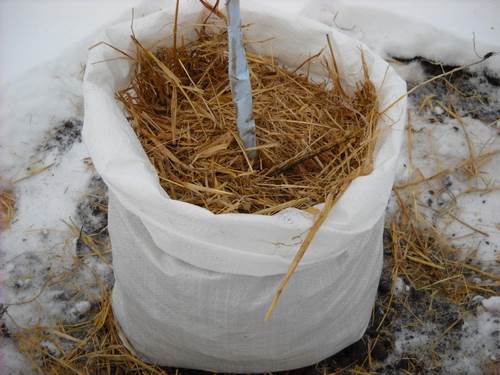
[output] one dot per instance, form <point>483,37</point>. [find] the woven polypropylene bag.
<point>192,288</point>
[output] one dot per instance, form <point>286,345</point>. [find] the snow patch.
<point>492,304</point>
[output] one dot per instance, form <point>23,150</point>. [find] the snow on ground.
<point>453,127</point>
<point>452,32</point>
<point>448,125</point>
<point>49,274</point>
<point>39,39</point>
<point>479,344</point>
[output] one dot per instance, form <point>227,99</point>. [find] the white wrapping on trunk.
<point>192,288</point>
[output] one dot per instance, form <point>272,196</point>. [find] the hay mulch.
<point>312,138</point>
<point>424,258</point>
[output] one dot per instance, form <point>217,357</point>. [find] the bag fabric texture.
<point>192,288</point>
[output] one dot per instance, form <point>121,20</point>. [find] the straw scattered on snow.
<point>7,207</point>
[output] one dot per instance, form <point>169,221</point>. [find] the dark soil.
<point>91,211</point>
<point>63,136</point>
<point>468,93</point>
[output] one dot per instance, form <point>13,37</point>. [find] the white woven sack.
<point>192,287</point>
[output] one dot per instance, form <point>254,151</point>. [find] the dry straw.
<point>423,256</point>
<point>312,138</point>
<point>7,210</point>
<point>89,347</point>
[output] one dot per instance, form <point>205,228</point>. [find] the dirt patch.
<point>63,136</point>
<point>92,210</point>
<point>468,93</point>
